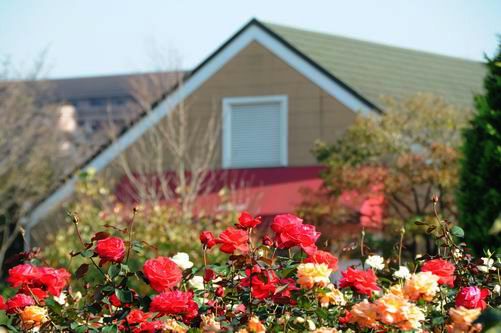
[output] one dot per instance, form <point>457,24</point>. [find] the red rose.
<point>110,249</point>
<point>19,302</point>
<point>247,221</point>
<point>39,294</point>
<point>219,291</point>
<point>207,239</point>
<point>209,275</point>
<point>233,239</point>
<point>114,300</point>
<point>162,273</point>
<point>39,279</point>
<point>290,231</point>
<point>175,303</point>
<point>150,327</point>
<point>323,257</point>
<point>263,282</point>
<point>137,316</point>
<point>284,296</point>
<point>346,318</point>
<point>55,280</point>
<point>2,304</point>
<point>364,282</point>
<point>23,274</point>
<point>441,268</point>
<point>472,297</point>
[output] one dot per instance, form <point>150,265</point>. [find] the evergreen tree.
<point>479,195</point>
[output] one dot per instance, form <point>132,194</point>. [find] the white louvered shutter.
<point>256,134</point>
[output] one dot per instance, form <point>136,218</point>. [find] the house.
<point>275,90</point>
<point>104,101</point>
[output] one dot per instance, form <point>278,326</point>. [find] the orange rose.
<point>423,285</point>
<point>364,314</point>
<point>255,326</point>
<point>33,316</point>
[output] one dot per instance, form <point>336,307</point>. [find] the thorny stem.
<point>204,251</point>
<point>362,242</point>
<point>75,222</point>
<point>447,237</point>
<point>134,211</point>
<point>400,245</point>
<point>249,234</point>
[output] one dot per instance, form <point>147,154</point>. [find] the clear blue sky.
<point>96,37</point>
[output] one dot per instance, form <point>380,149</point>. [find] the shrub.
<point>274,284</point>
<point>157,228</point>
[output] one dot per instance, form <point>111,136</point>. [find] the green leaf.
<point>113,271</point>
<point>110,329</point>
<point>125,296</point>
<point>4,320</point>
<point>457,231</point>
<point>82,270</point>
<point>490,318</point>
<point>137,246</point>
<point>87,253</point>
<point>80,329</point>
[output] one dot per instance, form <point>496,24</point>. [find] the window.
<point>255,131</point>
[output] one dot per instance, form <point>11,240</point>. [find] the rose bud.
<point>209,275</point>
<point>207,239</point>
<point>267,241</point>
<point>219,291</point>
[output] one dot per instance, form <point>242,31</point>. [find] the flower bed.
<point>280,283</point>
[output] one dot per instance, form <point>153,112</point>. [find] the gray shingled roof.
<point>375,70</point>
<point>103,86</point>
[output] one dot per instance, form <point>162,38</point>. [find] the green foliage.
<point>479,195</point>
<point>157,229</point>
<point>406,155</point>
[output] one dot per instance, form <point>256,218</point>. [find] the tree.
<point>384,169</point>
<point>479,195</point>
<point>30,148</point>
<point>173,161</point>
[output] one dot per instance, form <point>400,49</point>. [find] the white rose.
<point>376,262</point>
<point>497,289</point>
<point>402,273</point>
<point>197,282</point>
<point>182,260</point>
<point>487,266</point>
<point>61,299</point>
<point>311,325</point>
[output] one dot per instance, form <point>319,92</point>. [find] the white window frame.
<point>229,102</point>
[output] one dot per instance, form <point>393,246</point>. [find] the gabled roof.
<point>306,52</point>
<point>374,70</point>
<point>67,89</point>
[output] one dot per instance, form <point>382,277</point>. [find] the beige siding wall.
<point>255,71</point>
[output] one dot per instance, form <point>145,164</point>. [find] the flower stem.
<point>130,234</point>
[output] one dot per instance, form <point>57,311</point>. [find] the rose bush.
<point>280,283</point>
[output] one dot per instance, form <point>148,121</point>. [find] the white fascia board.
<point>253,33</point>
